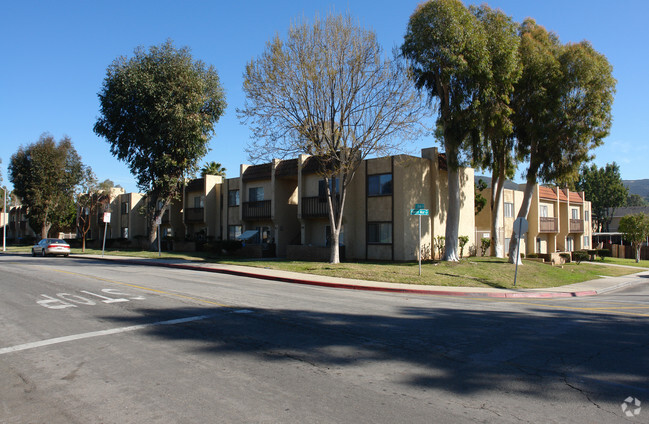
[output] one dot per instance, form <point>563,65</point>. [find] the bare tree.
<point>328,91</point>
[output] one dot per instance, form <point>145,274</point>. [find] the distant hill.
<point>640,187</point>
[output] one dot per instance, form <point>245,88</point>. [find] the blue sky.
<point>55,54</point>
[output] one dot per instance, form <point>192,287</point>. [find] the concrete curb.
<point>292,280</point>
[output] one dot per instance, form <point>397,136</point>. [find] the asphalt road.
<point>92,342</point>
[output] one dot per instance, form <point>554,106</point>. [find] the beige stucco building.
<point>558,220</point>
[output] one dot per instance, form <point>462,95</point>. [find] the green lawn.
<point>619,261</point>
<point>471,272</point>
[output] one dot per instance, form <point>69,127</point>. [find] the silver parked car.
<point>49,246</point>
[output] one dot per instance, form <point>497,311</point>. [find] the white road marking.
<point>64,339</point>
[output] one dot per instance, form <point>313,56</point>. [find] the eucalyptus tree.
<point>328,90</point>
<point>158,111</point>
<point>494,149</point>
<point>45,175</point>
<point>562,108</point>
<point>446,46</point>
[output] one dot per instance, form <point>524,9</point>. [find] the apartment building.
<point>559,219</point>
<point>283,204</point>
<point>280,209</point>
<point>201,209</point>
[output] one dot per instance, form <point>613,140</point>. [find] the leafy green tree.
<point>213,168</point>
<point>636,230</point>
<point>328,91</point>
<point>562,108</point>
<point>494,149</point>
<point>635,200</point>
<point>158,111</point>
<point>446,46</point>
<point>605,190</point>
<point>45,175</point>
<point>480,201</point>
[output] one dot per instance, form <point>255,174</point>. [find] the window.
<point>322,189</point>
<point>234,231</point>
<point>125,232</point>
<point>569,244</point>
<point>509,210</point>
<point>575,213</point>
<point>586,215</point>
<point>544,210</point>
<point>233,198</point>
<point>586,241</point>
<point>255,194</point>
<point>379,233</point>
<point>379,185</point>
<point>124,208</point>
<point>199,202</point>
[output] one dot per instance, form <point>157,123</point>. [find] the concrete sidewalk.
<point>586,288</point>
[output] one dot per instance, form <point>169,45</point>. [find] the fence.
<point>628,252</point>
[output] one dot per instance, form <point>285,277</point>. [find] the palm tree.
<point>213,168</point>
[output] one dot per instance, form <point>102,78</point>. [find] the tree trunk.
<point>335,249</point>
<point>497,187</point>
<point>514,256</point>
<point>637,253</point>
<point>45,229</point>
<point>452,215</point>
<point>336,207</point>
<point>153,227</point>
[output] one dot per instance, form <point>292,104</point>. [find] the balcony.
<point>256,210</point>
<point>548,225</point>
<point>314,207</point>
<point>576,226</point>
<point>194,215</point>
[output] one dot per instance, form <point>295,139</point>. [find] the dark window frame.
<point>237,197</point>
<point>379,224</point>
<point>381,185</point>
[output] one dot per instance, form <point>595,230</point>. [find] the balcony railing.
<point>256,210</point>
<point>576,226</point>
<point>549,225</point>
<point>194,214</point>
<point>314,207</point>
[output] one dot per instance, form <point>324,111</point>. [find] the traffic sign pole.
<point>419,245</point>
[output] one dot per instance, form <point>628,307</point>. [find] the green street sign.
<point>419,206</point>
<point>418,211</point>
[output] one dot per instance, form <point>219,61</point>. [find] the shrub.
<point>565,256</point>
<point>580,255</point>
<point>532,256</point>
<point>603,253</point>
<point>463,241</point>
<point>484,244</point>
<point>440,243</point>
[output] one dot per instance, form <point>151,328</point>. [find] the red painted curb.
<point>514,295</point>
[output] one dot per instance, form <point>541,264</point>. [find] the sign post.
<point>419,211</point>
<point>520,228</point>
<point>106,221</point>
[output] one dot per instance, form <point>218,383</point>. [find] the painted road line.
<point>209,302</point>
<point>81,336</point>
